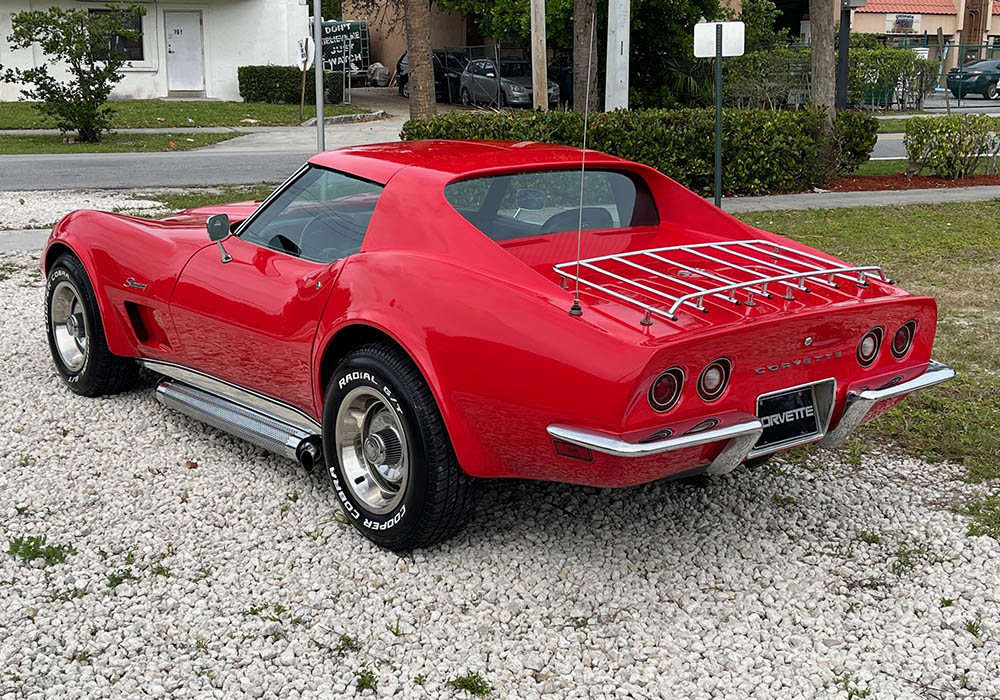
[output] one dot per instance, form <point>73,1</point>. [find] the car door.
<point>251,320</point>
<point>488,82</point>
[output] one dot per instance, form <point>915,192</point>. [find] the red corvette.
<point>415,315</point>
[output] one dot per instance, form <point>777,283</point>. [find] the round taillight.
<point>714,379</point>
<point>868,347</point>
<point>666,389</point>
<point>903,339</point>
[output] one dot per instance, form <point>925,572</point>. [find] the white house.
<point>188,48</point>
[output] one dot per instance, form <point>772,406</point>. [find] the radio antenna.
<point>576,309</point>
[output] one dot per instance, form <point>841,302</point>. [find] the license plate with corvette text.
<point>787,417</point>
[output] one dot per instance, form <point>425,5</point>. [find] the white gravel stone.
<point>43,208</point>
<point>668,590</point>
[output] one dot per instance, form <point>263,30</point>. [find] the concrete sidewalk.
<point>35,239</point>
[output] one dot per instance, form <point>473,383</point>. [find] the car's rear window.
<point>521,205</point>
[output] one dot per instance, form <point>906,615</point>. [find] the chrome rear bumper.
<point>742,431</point>
<point>859,404</point>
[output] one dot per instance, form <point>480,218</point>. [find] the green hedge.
<point>282,84</point>
<point>950,147</point>
<point>878,77</point>
<point>763,151</point>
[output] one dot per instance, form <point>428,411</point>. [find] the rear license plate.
<point>787,417</point>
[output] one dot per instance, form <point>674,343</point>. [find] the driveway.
<point>195,565</point>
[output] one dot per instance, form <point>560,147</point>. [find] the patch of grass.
<point>869,537</point>
<point>30,548</point>
<point>952,252</point>
<point>178,198</point>
<point>472,683</point>
<point>131,114</point>
<point>366,680</point>
<point>896,166</point>
<point>974,627</point>
<point>907,559</point>
<point>111,143</point>
<point>117,578</point>
<point>419,679</point>
<point>947,602</point>
<point>395,629</point>
<point>846,683</point>
<point>82,657</point>
<point>69,594</point>
<point>161,570</point>
<point>579,623</point>
<point>783,501</point>
<point>985,515</point>
<point>347,643</point>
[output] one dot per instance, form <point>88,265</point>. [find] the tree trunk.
<point>418,50</point>
<point>824,78</point>
<point>583,20</point>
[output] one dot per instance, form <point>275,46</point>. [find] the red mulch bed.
<point>874,183</point>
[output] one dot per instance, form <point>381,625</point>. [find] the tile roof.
<point>917,7</point>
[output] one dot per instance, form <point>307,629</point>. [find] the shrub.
<point>84,41</point>
<point>763,151</point>
<point>855,134</point>
<point>951,147</point>
<point>282,84</point>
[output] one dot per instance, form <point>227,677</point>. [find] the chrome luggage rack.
<point>734,282</point>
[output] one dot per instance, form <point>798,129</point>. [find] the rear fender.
<point>501,361</point>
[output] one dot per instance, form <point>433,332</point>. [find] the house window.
<point>128,47</point>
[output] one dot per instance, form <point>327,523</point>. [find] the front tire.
<point>76,334</point>
<point>466,97</point>
<point>388,452</point>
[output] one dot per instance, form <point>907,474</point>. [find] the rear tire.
<point>388,452</point>
<point>993,92</point>
<point>76,334</point>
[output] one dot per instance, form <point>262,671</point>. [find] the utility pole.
<point>616,80</point>
<point>539,76</point>
<point>318,39</point>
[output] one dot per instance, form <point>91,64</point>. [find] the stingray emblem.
<point>132,284</point>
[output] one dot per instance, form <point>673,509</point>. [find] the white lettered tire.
<point>391,462</point>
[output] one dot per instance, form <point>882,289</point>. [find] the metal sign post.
<point>716,40</point>
<point>318,39</point>
<point>306,54</point>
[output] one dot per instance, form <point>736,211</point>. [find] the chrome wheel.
<point>70,328</point>
<point>993,92</point>
<point>372,448</point>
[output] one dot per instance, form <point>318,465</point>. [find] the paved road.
<point>267,156</point>
<point>35,239</point>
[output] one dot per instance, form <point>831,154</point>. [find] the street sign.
<point>733,39</point>
<point>307,51</point>
<point>346,46</point>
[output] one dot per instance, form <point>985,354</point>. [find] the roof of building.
<point>916,7</point>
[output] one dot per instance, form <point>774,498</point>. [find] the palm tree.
<point>417,17</point>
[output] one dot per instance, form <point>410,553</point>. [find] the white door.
<point>185,59</point>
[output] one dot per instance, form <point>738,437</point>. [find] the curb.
<point>349,118</point>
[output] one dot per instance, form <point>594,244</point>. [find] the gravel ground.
<point>42,208</point>
<point>237,577</point>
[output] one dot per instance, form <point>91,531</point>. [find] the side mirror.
<point>218,227</point>
<point>530,199</point>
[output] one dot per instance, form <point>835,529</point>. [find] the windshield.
<point>520,205</point>
<point>515,69</point>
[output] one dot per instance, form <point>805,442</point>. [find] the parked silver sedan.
<point>482,83</point>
